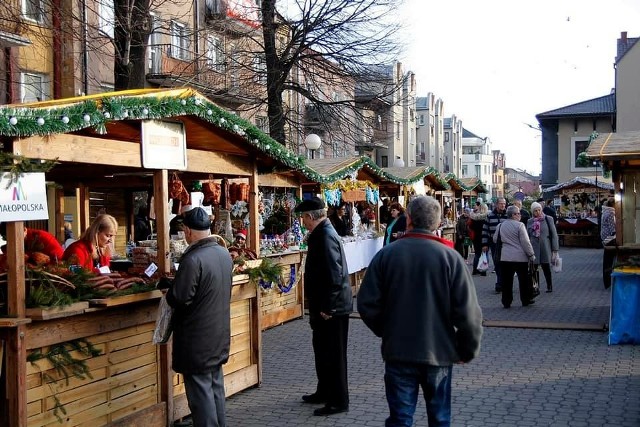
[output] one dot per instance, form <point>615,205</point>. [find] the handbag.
<point>164,326</point>
<point>557,265</point>
<point>534,276</point>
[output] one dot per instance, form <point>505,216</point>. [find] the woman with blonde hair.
<point>93,250</point>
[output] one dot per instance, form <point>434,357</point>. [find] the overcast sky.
<point>498,63</point>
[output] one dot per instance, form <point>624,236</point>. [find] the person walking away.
<point>478,220</point>
<point>515,254</point>
<point>398,223</point>
<point>608,236</point>
<point>494,218</point>
<point>419,297</point>
<point>462,234</point>
<point>328,290</point>
<point>200,296</point>
<point>544,239</point>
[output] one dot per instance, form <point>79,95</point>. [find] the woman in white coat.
<point>544,239</point>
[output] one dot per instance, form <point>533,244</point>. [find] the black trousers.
<point>608,258</point>
<point>329,341</point>
<point>522,270</point>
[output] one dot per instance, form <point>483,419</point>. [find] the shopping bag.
<point>557,266</point>
<point>534,277</point>
<point>163,330</point>
<point>483,262</point>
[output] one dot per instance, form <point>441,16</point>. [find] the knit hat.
<point>535,205</point>
<point>312,204</point>
<point>197,219</point>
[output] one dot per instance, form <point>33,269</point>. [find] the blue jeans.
<point>401,384</point>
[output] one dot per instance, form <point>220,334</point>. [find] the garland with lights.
<point>98,111</point>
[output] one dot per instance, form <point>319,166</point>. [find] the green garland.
<point>65,365</point>
<point>16,165</point>
<point>97,113</point>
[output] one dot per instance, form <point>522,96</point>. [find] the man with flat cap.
<point>327,288</point>
<point>200,296</point>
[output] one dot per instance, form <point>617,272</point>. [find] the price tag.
<point>104,270</point>
<point>151,269</point>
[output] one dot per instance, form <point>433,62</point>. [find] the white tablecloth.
<point>360,253</point>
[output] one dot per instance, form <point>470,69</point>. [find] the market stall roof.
<point>117,116</point>
<point>615,146</point>
<point>413,174</point>
<point>578,182</point>
<point>454,182</point>
<point>472,184</point>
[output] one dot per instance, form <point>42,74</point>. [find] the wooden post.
<point>254,233</point>
<point>58,211</point>
<point>85,216</point>
<point>16,362</point>
<point>161,196</point>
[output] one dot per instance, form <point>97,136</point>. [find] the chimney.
<point>623,37</point>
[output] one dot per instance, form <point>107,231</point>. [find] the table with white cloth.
<point>359,254</point>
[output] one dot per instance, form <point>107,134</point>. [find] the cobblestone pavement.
<point>536,374</point>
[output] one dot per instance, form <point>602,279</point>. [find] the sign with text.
<point>164,145</point>
<point>23,199</point>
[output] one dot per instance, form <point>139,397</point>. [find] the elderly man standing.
<point>200,296</point>
<point>495,217</point>
<point>418,295</point>
<point>327,288</point>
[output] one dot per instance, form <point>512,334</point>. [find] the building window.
<point>33,87</point>
<point>260,69</point>
<point>179,41</point>
<point>478,171</point>
<point>215,53</point>
<point>397,130</point>
<point>106,17</point>
<point>33,10</point>
<point>446,137</point>
<point>385,161</point>
<point>421,120</point>
<point>465,170</point>
<point>578,145</point>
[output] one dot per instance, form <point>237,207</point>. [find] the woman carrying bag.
<point>544,239</point>
<point>515,253</point>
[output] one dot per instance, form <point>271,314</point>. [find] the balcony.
<point>170,66</point>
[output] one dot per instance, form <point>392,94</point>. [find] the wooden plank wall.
<point>124,381</point>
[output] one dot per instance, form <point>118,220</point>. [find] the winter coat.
<point>419,296</point>
<point>477,224</point>
<point>547,242</point>
<point>516,246</point>
<point>201,296</point>
<point>326,275</point>
<point>80,253</point>
<point>489,228</point>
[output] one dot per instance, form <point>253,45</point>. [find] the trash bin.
<point>624,316</point>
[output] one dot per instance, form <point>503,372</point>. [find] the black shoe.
<point>483,273</point>
<point>498,289</point>
<point>528,303</point>
<point>549,290</point>
<point>330,410</point>
<point>506,305</point>
<point>475,273</point>
<point>314,398</point>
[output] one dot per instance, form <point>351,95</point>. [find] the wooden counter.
<point>277,306</point>
<point>130,382</point>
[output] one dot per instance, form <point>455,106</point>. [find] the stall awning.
<point>579,182</point>
<point>615,146</point>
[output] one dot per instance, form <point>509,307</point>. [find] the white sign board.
<point>24,199</point>
<point>164,145</point>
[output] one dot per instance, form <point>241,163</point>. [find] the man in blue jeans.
<point>418,295</point>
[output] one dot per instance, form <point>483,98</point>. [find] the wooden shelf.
<point>12,322</point>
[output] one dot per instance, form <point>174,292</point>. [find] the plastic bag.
<point>163,329</point>
<point>483,262</point>
<point>557,266</point>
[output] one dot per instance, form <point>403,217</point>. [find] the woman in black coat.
<point>477,222</point>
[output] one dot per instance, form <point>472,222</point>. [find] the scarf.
<point>389,227</point>
<point>536,225</point>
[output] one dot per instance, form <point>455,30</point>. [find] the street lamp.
<point>595,164</point>
<point>312,142</point>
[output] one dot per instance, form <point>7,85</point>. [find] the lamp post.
<point>312,142</point>
<point>595,164</point>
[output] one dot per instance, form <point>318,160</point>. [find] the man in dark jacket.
<point>495,217</point>
<point>327,288</point>
<point>200,296</point>
<point>419,296</point>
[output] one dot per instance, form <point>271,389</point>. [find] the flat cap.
<point>197,219</point>
<point>312,204</point>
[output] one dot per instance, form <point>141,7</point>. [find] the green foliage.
<point>268,271</point>
<point>66,365</point>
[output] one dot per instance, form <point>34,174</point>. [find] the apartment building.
<point>452,138</point>
<point>430,131</point>
<point>498,179</point>
<point>477,159</point>
<point>518,180</point>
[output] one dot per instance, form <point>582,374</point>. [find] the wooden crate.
<point>124,381</point>
<point>277,307</point>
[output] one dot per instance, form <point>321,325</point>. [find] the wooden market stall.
<point>110,142</point>
<point>578,202</point>
<point>474,188</point>
<point>282,302</point>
